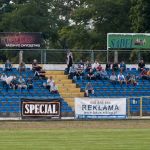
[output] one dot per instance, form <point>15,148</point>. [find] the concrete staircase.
<point>66,87</point>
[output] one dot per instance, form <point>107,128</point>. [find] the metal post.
<point>129,114</point>
<point>41,56</point>
<point>107,56</point>
<point>45,55</point>
<point>141,111</point>
<point>92,56</point>
<point>116,56</point>
<point>20,56</point>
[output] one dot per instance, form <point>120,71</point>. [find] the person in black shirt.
<point>69,61</point>
<point>115,67</point>
<point>108,66</point>
<point>141,65</point>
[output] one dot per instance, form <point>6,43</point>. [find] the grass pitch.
<point>75,135</point>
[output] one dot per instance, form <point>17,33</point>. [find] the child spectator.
<point>88,89</point>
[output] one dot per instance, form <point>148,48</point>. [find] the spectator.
<point>103,74</point>
<point>143,74</point>
<point>121,78</point>
<point>88,66</point>
<point>22,83</point>
<point>108,66</point>
<point>148,74</point>
<point>29,83</point>
<point>141,65</point>
<point>113,78</point>
<point>22,67</point>
<point>72,71</point>
<point>122,66</point>
<point>3,79</point>
<point>115,67</point>
<point>133,80</point>
<point>128,79</point>
<point>8,82</point>
<point>91,75</point>
<point>49,83</point>
<point>54,88</point>
<point>88,89</point>
<point>8,66</point>
<point>14,83</point>
<point>35,66</point>
<point>81,64</point>
<point>69,60</point>
<point>95,65</point>
<point>79,73</point>
<point>99,68</point>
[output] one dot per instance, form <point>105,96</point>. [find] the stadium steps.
<point>67,89</point>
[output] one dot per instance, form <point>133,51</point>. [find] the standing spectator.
<point>8,66</point>
<point>141,65</point>
<point>113,78</point>
<point>22,67</point>
<point>122,66</point>
<point>121,78</point>
<point>108,66</point>
<point>69,60</point>
<point>115,66</point>
<point>88,89</point>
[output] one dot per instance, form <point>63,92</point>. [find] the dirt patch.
<point>102,124</point>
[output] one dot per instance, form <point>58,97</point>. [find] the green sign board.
<point>128,41</point>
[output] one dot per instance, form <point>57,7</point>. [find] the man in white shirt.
<point>49,83</point>
<point>113,78</point>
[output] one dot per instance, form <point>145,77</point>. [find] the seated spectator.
<point>8,66</point>
<point>29,83</point>
<point>128,79</point>
<point>35,66</point>
<point>14,83</point>
<point>133,80</point>
<point>3,79</point>
<point>54,88</point>
<point>143,74</point>
<point>72,71</point>
<point>108,66</point>
<point>99,68</point>
<point>115,67</point>
<point>22,83</point>
<point>148,74</point>
<point>48,83</point>
<point>22,67</point>
<point>121,78</point>
<point>103,74</point>
<point>113,78</point>
<point>95,65</point>
<point>8,82</point>
<point>81,64</point>
<point>91,75</point>
<point>141,65</point>
<point>122,66</point>
<point>79,74</point>
<point>87,66</point>
<point>88,89</point>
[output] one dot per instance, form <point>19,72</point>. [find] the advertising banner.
<point>20,40</point>
<point>128,41</point>
<point>40,108</point>
<point>96,108</point>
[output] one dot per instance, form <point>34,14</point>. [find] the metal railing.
<point>58,56</point>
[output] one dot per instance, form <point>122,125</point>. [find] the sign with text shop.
<point>128,41</point>
<point>20,40</point>
<point>40,108</point>
<point>98,108</point>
